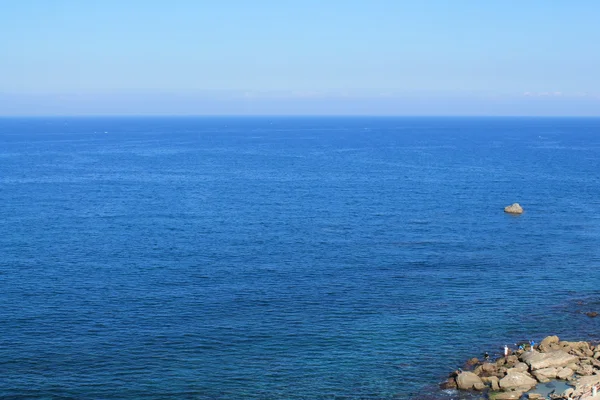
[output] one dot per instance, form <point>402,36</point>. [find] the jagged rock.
<point>565,373</point>
<point>585,370</point>
<point>488,369</point>
<point>584,384</point>
<point>468,381</point>
<point>597,355</point>
<point>511,361</point>
<point>514,208</point>
<point>500,362</point>
<point>492,381</point>
<point>546,342</point>
<point>581,346</point>
<point>545,374</point>
<point>556,359</point>
<point>589,361</point>
<point>517,381</point>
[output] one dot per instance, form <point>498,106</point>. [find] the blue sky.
<point>388,57</point>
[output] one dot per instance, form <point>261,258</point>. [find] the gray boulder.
<point>555,359</point>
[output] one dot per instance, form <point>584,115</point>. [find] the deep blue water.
<point>287,258</point>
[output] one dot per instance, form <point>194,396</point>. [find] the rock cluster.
<point>511,376</point>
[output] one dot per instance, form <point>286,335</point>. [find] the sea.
<point>334,258</point>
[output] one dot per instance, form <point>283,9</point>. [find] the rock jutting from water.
<point>514,208</point>
<point>519,372</point>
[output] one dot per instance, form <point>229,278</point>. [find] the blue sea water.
<point>287,258</point>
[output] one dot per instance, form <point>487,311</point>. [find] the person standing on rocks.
<point>505,351</point>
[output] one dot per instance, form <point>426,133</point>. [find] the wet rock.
<point>534,396</point>
<point>472,362</point>
<point>514,208</point>
<point>449,383</point>
<point>545,374</point>
<point>517,381</point>
<point>592,314</point>
<point>556,359</point>
<point>567,392</point>
<point>468,381</point>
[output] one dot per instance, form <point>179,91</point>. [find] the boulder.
<point>597,355</point>
<point>520,367</point>
<point>468,381</point>
<point>492,381</point>
<point>545,374</point>
<point>517,381</point>
<point>555,359</point>
<point>575,345</point>
<point>488,369</point>
<point>514,395</point>
<point>565,373</point>
<point>511,361</point>
<point>514,208</point>
<point>591,314</point>
<point>534,396</point>
<point>548,340</point>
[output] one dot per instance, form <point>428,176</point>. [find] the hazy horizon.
<point>288,58</point>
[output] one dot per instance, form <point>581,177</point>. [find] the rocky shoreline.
<point>520,371</point>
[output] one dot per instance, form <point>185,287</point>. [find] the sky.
<point>301,57</point>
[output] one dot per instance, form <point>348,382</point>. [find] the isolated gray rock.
<point>555,359</point>
<point>514,208</point>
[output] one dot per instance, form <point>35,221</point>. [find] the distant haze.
<point>188,57</point>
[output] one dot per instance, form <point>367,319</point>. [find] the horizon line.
<point>290,116</point>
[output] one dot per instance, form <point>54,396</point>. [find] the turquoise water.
<point>287,258</point>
